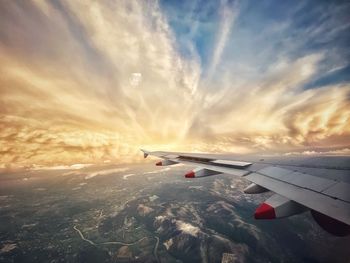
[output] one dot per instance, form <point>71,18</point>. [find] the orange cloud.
<point>67,95</point>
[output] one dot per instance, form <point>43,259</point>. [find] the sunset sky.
<point>92,82</point>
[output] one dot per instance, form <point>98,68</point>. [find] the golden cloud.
<point>67,93</point>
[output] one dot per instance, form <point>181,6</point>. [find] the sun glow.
<point>94,83</point>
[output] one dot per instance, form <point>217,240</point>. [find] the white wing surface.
<point>320,184</point>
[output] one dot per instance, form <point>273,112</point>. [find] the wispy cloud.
<point>68,93</point>
<point>227,13</point>
<point>275,110</point>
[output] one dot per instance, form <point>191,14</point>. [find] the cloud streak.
<point>67,93</point>
<point>227,13</point>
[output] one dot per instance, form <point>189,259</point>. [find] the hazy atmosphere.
<point>84,85</point>
<point>94,82</point>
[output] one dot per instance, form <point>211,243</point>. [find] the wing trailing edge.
<point>296,192</point>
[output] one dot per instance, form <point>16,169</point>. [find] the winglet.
<point>145,153</point>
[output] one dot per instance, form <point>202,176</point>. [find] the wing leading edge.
<point>328,199</point>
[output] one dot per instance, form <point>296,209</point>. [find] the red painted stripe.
<point>265,211</point>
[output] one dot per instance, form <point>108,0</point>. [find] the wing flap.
<point>220,169</point>
<point>340,190</point>
<point>302,180</point>
<point>324,204</point>
<point>231,163</point>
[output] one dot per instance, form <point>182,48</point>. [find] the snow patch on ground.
<point>7,248</point>
<point>187,228</point>
<point>168,243</point>
<point>153,198</point>
<point>160,218</point>
<point>144,210</point>
<point>29,225</point>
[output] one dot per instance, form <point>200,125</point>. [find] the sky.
<point>93,82</point>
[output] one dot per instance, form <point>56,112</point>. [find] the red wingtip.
<point>190,174</point>
<point>159,163</point>
<point>265,211</point>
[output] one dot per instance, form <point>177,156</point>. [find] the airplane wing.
<point>320,184</point>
